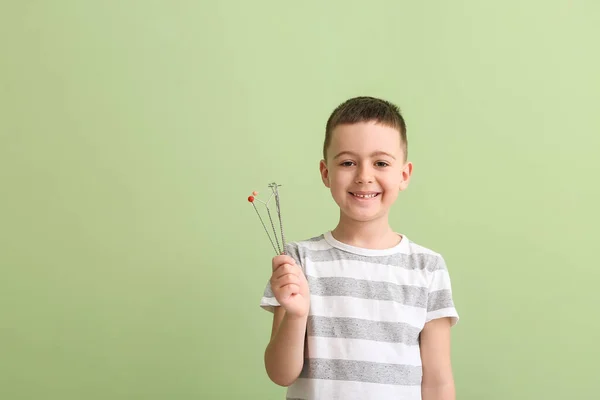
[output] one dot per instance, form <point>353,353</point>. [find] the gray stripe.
<point>291,249</point>
<point>416,261</point>
<point>413,296</point>
<point>407,295</point>
<point>361,371</point>
<point>439,299</point>
<point>355,328</point>
<point>404,294</point>
<point>268,291</point>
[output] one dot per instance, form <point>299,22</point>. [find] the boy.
<point>361,312</point>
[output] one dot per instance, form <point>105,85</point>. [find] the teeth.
<point>365,196</point>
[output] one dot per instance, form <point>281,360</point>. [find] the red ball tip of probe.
<point>251,199</point>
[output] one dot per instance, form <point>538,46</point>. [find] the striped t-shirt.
<point>367,309</point>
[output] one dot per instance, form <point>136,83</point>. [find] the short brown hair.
<point>366,109</point>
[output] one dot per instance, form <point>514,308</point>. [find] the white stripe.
<point>440,280</point>
<point>323,389</point>
<point>372,310</point>
<point>444,312</point>
<point>364,350</point>
<point>268,303</point>
<point>322,244</point>
<point>368,271</point>
<point>418,249</point>
<point>413,248</point>
<point>314,245</point>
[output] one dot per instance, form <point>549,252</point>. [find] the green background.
<point>131,133</point>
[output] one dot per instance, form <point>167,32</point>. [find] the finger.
<point>280,260</point>
<point>289,290</point>
<point>277,282</point>
<point>286,269</point>
<point>287,279</point>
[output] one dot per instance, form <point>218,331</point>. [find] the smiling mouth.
<point>364,195</point>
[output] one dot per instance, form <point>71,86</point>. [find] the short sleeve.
<point>268,301</point>
<point>440,303</point>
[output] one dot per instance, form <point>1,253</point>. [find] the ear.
<point>406,174</point>
<point>324,172</point>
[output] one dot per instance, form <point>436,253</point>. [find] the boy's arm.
<point>284,355</point>
<point>438,382</point>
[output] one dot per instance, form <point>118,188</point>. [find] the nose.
<point>364,175</point>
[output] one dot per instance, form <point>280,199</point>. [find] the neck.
<point>369,235</point>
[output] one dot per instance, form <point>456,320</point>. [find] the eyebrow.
<point>375,153</point>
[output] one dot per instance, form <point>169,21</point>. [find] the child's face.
<point>365,170</point>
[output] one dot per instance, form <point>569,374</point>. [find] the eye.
<point>382,164</point>
<point>347,164</point>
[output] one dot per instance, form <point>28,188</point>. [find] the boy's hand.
<point>289,286</point>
